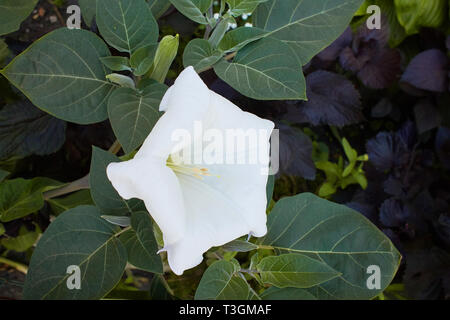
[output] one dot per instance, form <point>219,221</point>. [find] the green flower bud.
<point>165,54</point>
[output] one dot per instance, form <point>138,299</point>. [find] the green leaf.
<point>239,7</point>
<point>294,270</point>
<point>116,63</point>
<point>307,26</point>
<point>239,246</point>
<point>23,241</point>
<point>193,9</point>
<point>4,52</point>
<point>414,14</point>
<point>78,237</point>
<point>334,235</point>
<point>59,205</point>
<point>88,8</point>
<point>13,12</point>
<point>126,25</point>
<point>103,193</point>
<point>3,174</point>
<point>397,33</point>
<point>121,80</point>
<point>274,293</point>
<point>240,37</point>
<point>349,151</point>
<point>20,197</point>
<point>141,244</point>
<point>123,221</point>
<point>61,73</point>
<point>134,115</point>
<point>158,7</point>
<point>2,229</point>
<point>265,70</point>
<point>327,189</point>
<point>142,59</point>
<point>25,130</point>
<point>200,54</point>
<point>220,282</point>
<point>269,188</point>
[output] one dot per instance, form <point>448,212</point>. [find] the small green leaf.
<point>239,7</point>
<point>142,60</point>
<point>20,197</point>
<point>220,282</point>
<point>200,54</point>
<point>240,37</point>
<point>116,63</point>
<point>193,9</point>
<point>265,70</point>
<point>3,174</point>
<point>2,229</point>
<point>121,80</point>
<point>59,205</point>
<point>414,14</point>
<point>88,8</point>
<point>158,7</point>
<point>327,189</point>
<point>61,73</point>
<point>23,241</point>
<point>133,115</point>
<point>78,237</point>
<point>349,151</point>
<point>141,244</point>
<point>126,25</point>
<point>294,270</point>
<point>123,221</point>
<point>239,246</point>
<point>103,193</point>
<point>4,52</point>
<point>13,12</point>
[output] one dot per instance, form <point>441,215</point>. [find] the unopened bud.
<point>165,54</point>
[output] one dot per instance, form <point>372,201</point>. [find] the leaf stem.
<point>18,266</point>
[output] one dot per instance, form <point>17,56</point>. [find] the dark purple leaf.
<point>331,53</point>
<point>296,153</point>
<point>427,116</point>
<point>442,146</point>
<point>332,100</point>
<point>393,213</point>
<point>428,71</point>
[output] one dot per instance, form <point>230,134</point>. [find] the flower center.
<point>189,170</point>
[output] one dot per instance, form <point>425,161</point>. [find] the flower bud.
<point>165,54</point>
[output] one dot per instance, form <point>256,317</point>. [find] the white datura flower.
<point>197,205</point>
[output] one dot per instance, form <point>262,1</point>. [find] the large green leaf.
<point>337,236</point>
<point>26,130</point>
<point>308,26</point>
<point>126,25</point>
<point>265,70</point>
<point>61,73</point>
<point>220,282</point>
<point>200,54</point>
<point>158,7</point>
<point>193,9</point>
<point>274,293</point>
<point>238,7</point>
<point>20,197</point>
<point>141,244</point>
<point>133,114</point>
<point>3,174</point>
<point>294,270</point>
<point>103,193</point>
<point>13,12</point>
<point>78,237</point>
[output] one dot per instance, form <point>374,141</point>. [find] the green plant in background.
<point>343,173</point>
<point>72,75</point>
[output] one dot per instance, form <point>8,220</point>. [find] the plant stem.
<point>79,184</point>
<point>18,266</point>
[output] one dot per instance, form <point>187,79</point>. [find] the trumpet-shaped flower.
<point>197,205</point>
